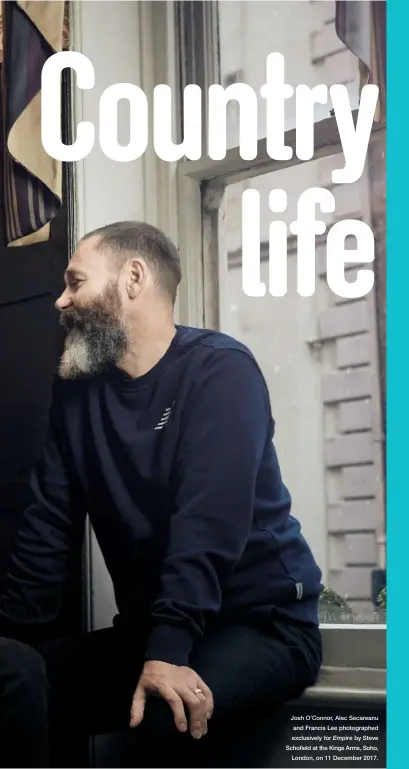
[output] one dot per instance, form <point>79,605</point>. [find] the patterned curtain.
<point>362,28</point>
<point>32,190</point>
<point>1,34</point>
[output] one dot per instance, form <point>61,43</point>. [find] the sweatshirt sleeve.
<point>50,530</point>
<point>226,425</point>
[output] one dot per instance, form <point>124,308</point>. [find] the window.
<point>321,356</point>
<point>303,32</point>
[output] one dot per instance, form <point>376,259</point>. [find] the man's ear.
<point>136,277</point>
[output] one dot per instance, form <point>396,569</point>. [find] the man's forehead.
<point>86,255</point>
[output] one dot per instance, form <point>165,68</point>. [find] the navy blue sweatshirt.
<point>179,476</point>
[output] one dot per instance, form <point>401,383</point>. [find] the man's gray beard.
<point>95,339</point>
<point>75,360</point>
<point>89,355</point>
<point>96,336</point>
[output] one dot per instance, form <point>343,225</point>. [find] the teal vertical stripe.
<point>397,381</point>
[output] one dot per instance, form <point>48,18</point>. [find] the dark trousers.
<point>23,706</point>
<point>251,670</point>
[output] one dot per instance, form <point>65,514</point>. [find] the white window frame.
<point>354,655</point>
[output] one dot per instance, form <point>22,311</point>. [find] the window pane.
<point>321,358</point>
<point>303,31</point>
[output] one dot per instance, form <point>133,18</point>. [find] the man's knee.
<point>21,665</point>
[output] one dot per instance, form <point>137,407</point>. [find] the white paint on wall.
<point>106,191</point>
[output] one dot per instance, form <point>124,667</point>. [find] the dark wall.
<point>29,281</point>
<point>31,278</point>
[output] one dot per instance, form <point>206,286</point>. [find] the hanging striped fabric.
<point>32,192</point>
<point>1,33</point>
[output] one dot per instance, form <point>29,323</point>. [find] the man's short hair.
<point>122,239</point>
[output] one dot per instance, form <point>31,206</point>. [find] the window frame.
<point>353,664</point>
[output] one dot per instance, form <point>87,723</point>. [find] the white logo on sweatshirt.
<point>165,417</point>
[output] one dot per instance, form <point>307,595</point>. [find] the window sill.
<point>357,685</point>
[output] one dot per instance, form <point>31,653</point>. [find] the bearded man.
<point>163,436</point>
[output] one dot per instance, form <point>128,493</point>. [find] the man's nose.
<point>64,301</point>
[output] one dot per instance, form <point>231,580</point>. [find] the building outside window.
<point>322,356</point>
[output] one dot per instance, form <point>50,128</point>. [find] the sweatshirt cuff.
<point>169,643</point>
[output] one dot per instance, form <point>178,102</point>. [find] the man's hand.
<point>179,686</point>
